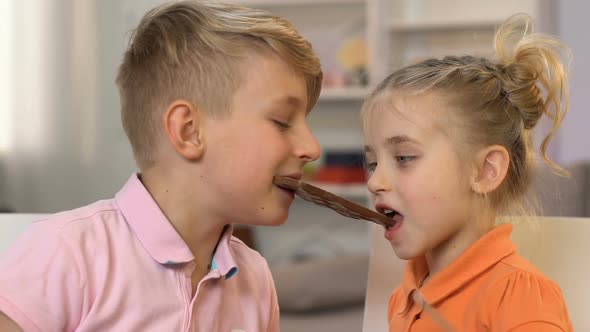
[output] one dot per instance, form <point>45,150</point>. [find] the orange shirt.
<point>488,288</point>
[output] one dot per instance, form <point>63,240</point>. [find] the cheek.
<point>418,192</point>
<point>446,195</point>
<point>255,158</point>
<point>426,189</point>
<point>230,161</point>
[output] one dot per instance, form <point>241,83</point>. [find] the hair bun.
<point>533,74</point>
<point>519,83</point>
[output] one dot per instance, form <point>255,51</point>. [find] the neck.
<point>449,250</point>
<point>177,201</point>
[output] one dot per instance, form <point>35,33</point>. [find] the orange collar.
<point>483,254</point>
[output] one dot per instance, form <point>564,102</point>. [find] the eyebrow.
<point>289,100</point>
<point>400,139</point>
<point>395,140</point>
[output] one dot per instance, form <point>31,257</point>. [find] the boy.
<point>214,100</point>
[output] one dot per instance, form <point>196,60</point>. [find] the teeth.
<point>389,212</point>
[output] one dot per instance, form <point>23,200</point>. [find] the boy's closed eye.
<point>282,125</point>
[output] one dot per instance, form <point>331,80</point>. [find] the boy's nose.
<point>308,147</point>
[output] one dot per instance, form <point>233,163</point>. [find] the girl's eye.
<point>282,125</point>
<point>404,159</point>
<point>370,167</point>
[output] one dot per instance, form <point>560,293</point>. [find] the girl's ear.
<point>491,168</point>
<point>183,124</point>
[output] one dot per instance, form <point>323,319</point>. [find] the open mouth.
<point>392,214</point>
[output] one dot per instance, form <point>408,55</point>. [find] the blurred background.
<point>62,144</point>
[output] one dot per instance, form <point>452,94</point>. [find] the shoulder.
<point>253,269</point>
<point>99,214</point>
<point>60,234</point>
<point>93,225</point>
<point>48,265</point>
<point>519,294</point>
<point>251,264</point>
<point>394,302</point>
<point>247,256</point>
<point>517,277</point>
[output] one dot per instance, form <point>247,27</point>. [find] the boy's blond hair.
<point>196,51</point>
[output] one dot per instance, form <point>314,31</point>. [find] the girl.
<point>448,148</point>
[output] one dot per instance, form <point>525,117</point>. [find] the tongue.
<point>398,218</point>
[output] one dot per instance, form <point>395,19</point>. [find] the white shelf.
<point>433,25</point>
<point>344,94</point>
<point>345,190</point>
<point>292,3</point>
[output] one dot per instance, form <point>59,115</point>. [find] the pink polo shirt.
<point>119,265</point>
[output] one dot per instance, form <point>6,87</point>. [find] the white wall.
<point>573,28</point>
<point>69,148</point>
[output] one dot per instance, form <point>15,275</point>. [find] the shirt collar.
<point>150,225</point>
<point>159,238</point>
<point>484,253</point>
<point>223,259</point>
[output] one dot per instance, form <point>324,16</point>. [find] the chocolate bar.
<point>327,199</point>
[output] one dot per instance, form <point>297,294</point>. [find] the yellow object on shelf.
<point>353,54</point>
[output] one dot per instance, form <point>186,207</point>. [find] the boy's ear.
<point>183,124</point>
<point>491,168</point>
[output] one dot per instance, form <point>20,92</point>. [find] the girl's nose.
<point>378,181</point>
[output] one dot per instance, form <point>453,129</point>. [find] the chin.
<point>267,220</point>
<point>404,253</point>
<point>278,221</point>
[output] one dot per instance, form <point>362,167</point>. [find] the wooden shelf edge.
<point>344,93</point>
<point>293,3</point>
<point>431,25</point>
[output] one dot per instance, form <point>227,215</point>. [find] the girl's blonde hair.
<point>498,102</point>
<point>196,50</point>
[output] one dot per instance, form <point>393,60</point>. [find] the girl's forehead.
<point>405,109</point>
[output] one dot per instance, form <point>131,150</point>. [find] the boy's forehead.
<point>264,60</point>
<point>289,102</point>
<point>287,86</point>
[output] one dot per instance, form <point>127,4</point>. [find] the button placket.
<point>185,275</point>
